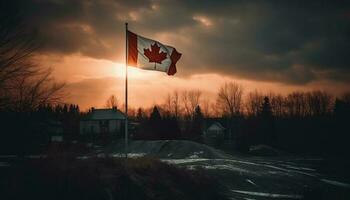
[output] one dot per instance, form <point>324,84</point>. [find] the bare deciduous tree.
<point>185,103</point>
<point>296,104</point>
<point>171,104</point>
<point>112,102</point>
<point>229,99</point>
<point>167,104</point>
<point>176,104</point>
<point>23,84</point>
<point>205,105</point>
<point>319,102</point>
<point>194,98</point>
<point>277,105</point>
<point>29,92</point>
<point>190,99</point>
<point>17,48</point>
<point>253,103</point>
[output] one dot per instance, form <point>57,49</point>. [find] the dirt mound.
<point>172,149</point>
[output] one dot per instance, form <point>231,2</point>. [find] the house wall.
<point>114,127</point>
<point>89,127</point>
<point>215,133</point>
<point>93,127</point>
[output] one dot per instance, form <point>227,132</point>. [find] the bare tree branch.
<point>229,99</point>
<point>112,102</point>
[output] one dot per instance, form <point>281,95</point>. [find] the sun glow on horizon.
<point>134,72</point>
<point>90,82</point>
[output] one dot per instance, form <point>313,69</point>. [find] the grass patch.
<point>105,178</point>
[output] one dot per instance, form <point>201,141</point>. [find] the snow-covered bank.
<point>244,176</point>
<point>247,177</point>
<point>168,149</point>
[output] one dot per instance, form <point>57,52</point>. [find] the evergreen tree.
<point>65,109</point>
<point>267,124</point>
<point>266,108</point>
<point>196,128</point>
<point>170,128</point>
<point>155,124</point>
<point>155,115</point>
<point>140,115</point>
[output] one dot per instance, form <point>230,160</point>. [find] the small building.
<point>215,130</point>
<point>103,123</point>
<point>214,134</point>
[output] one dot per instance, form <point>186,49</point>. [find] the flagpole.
<point>126,90</point>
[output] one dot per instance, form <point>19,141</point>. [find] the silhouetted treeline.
<point>28,131</point>
<point>156,126</point>
<point>312,122</point>
<point>159,126</point>
<point>301,122</point>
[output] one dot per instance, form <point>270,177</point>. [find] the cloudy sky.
<point>268,45</point>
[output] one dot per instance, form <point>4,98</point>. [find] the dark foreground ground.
<point>196,171</point>
<point>69,178</point>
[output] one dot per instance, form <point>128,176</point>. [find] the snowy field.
<point>266,178</point>
<point>243,177</point>
<point>249,177</point>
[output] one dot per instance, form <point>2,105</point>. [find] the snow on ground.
<point>196,154</point>
<point>130,155</point>
<point>251,182</point>
<point>184,161</point>
<point>83,157</point>
<point>233,163</point>
<point>298,168</point>
<point>225,167</point>
<point>115,155</point>
<point>271,195</point>
<point>246,177</point>
<point>336,183</point>
<point>167,149</point>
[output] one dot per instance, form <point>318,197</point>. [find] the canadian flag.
<point>151,55</point>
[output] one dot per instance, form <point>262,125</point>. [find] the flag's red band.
<point>174,57</point>
<point>132,49</point>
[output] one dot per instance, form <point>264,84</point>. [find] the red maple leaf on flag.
<point>154,55</point>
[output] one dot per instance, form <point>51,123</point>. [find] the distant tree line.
<point>312,122</point>
<point>31,130</point>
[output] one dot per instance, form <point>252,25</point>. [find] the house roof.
<point>216,126</point>
<point>105,114</point>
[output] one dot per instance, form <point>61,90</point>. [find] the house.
<point>214,134</point>
<point>215,130</point>
<point>221,132</point>
<point>103,123</point>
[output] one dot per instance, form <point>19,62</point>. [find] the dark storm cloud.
<point>286,41</point>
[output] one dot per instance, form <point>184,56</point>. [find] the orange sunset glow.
<point>88,53</point>
<point>244,43</point>
<point>91,81</point>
